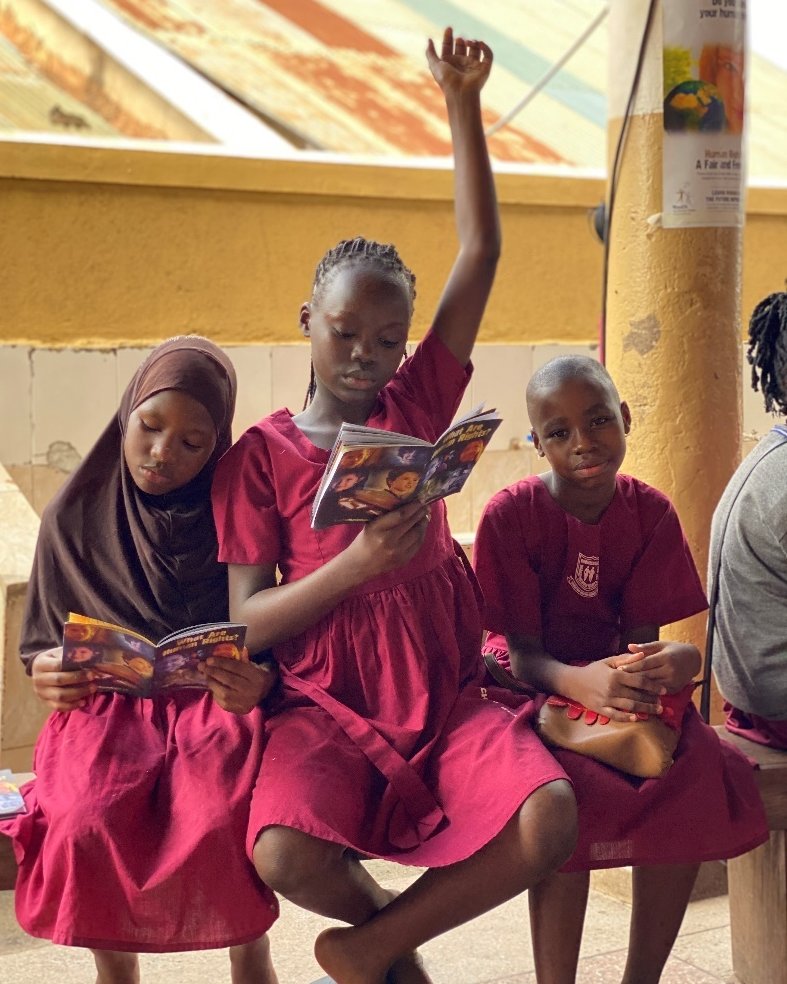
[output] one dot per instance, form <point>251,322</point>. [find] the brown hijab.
<point>110,551</point>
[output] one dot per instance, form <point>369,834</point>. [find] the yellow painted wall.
<point>105,246</point>
<point>118,246</point>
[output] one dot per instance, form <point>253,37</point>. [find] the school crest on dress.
<point>584,580</point>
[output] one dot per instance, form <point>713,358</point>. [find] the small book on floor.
<point>125,661</point>
<point>371,471</point>
<point>11,801</point>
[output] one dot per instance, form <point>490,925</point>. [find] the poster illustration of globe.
<point>704,112</point>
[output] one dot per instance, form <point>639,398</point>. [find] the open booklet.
<point>11,801</point>
<point>372,471</point>
<point>131,664</point>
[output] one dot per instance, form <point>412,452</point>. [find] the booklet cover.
<point>372,471</point>
<point>11,801</point>
<point>129,663</point>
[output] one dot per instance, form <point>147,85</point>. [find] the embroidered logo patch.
<point>585,578</point>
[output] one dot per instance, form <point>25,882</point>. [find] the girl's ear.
<point>625,413</point>
<point>303,319</point>
<point>536,443</point>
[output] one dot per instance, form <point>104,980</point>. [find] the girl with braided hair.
<point>749,548</point>
<point>385,744</point>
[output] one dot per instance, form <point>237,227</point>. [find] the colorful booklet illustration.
<point>131,664</point>
<point>372,471</point>
<point>11,801</point>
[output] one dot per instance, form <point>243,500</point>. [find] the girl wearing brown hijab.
<point>134,836</point>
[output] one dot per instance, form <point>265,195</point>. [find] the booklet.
<point>11,801</point>
<point>372,471</point>
<point>131,664</point>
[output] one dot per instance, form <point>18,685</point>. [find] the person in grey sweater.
<point>749,548</point>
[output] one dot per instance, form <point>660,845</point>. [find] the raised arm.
<point>461,69</point>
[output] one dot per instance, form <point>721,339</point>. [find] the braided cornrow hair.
<point>380,256</point>
<point>767,351</point>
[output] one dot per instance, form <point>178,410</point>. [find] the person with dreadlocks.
<point>384,744</point>
<point>749,549</point>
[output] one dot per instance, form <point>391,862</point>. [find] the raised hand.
<point>462,66</point>
<point>61,690</point>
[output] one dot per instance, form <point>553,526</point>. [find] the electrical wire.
<point>549,74</point>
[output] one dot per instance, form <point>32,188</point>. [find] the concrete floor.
<point>495,949</point>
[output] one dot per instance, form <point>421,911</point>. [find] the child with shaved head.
<point>580,567</point>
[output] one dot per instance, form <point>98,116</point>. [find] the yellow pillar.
<point>673,300</point>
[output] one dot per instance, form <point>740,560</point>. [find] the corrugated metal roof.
<point>317,71</point>
<point>350,75</point>
<point>28,101</point>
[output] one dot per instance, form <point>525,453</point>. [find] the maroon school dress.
<point>384,741</point>
<point>762,731</point>
<point>136,823</point>
<point>578,587</point>
<point>135,828</point>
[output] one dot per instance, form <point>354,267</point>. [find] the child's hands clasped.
<point>461,66</point>
<point>672,665</point>
<point>61,690</point>
<point>615,692</point>
<point>238,685</point>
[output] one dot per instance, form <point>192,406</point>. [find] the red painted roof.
<point>318,75</point>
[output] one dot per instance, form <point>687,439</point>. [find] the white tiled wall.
<point>74,394</point>
<point>15,404</point>
<point>54,404</point>
<point>500,377</point>
<point>18,531</point>
<point>290,368</point>
<point>254,371</point>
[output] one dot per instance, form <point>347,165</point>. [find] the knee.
<point>549,818</point>
<point>287,860</point>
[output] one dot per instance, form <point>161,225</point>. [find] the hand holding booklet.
<point>126,661</point>
<point>371,471</point>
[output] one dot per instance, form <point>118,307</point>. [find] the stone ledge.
<point>617,882</point>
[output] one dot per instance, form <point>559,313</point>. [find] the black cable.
<point>615,175</point>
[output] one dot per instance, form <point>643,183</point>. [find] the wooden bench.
<point>7,858</point>
<point>757,881</point>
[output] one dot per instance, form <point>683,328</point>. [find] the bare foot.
<point>346,959</point>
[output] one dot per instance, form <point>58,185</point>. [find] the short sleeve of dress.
<point>664,585</point>
<point>247,519</point>
<point>433,379</point>
<point>510,584</point>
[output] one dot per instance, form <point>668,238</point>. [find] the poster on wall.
<point>704,44</point>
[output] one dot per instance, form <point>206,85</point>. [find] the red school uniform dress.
<point>133,837</point>
<point>383,740</point>
<point>579,587</point>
